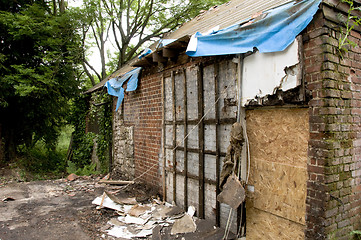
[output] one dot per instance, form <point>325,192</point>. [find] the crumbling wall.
<point>123,160</point>
<point>334,165</point>
<point>200,107</point>
<point>276,197</point>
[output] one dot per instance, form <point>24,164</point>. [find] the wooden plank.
<point>191,176</point>
<point>218,164</point>
<point>196,150</point>
<point>185,128</point>
<point>200,140</point>
<point>116,182</point>
<point>205,121</point>
<point>174,137</point>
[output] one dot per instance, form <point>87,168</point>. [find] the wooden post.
<point>200,140</point>
<point>216,94</point>
<point>163,142</point>
<point>174,138</point>
<point>185,126</point>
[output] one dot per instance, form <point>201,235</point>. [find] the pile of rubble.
<point>153,220</point>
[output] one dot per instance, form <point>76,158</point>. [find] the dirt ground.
<point>62,209</point>
<point>55,209</point>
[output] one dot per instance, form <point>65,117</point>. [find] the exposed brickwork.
<point>334,166</point>
<point>143,111</point>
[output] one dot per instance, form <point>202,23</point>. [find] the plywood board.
<point>279,135</point>
<point>279,189</point>
<point>279,143</point>
<point>263,225</point>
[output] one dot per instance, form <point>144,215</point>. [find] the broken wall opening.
<point>200,106</point>
<point>123,145</point>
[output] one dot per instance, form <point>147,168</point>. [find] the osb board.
<point>279,135</point>
<point>278,145</point>
<point>279,189</point>
<point>263,225</point>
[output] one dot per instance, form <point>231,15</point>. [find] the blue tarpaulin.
<point>115,85</point>
<point>270,31</point>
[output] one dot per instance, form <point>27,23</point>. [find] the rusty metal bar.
<point>185,128</point>
<point>200,140</point>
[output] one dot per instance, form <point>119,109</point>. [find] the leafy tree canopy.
<point>131,24</point>
<point>39,54</point>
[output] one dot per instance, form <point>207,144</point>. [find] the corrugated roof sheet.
<point>225,15</point>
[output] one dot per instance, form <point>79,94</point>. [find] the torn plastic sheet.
<point>115,85</point>
<point>271,31</point>
<point>145,52</point>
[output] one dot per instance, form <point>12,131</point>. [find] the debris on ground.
<point>8,199</point>
<point>64,208</point>
<point>72,177</point>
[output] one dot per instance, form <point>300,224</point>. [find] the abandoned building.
<point>280,69</point>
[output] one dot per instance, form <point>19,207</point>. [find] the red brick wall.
<point>334,167</point>
<point>143,110</point>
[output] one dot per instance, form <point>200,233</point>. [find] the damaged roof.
<point>225,15</point>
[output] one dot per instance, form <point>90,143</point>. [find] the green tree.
<point>132,24</point>
<point>39,57</point>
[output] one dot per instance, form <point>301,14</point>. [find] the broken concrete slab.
<point>138,210</point>
<point>184,225</point>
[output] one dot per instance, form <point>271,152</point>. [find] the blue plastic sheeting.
<point>271,31</point>
<point>165,42</point>
<point>145,53</point>
<point>115,85</point>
